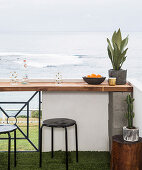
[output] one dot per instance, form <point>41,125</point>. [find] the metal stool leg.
<point>66,143</point>
<point>9,146</point>
<point>52,143</point>
<point>15,148</point>
<point>40,147</point>
<point>76,142</point>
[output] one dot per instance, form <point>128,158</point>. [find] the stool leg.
<point>15,148</point>
<point>40,147</point>
<point>52,142</point>
<point>9,146</point>
<point>66,142</point>
<point>76,142</point>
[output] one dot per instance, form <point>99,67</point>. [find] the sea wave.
<point>44,60</point>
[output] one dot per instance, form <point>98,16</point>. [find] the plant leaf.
<point>122,58</point>
<point>123,44</point>
<point>113,39</point>
<point>110,46</point>
<point>109,53</point>
<point>116,38</point>
<point>117,55</point>
<point>119,38</point>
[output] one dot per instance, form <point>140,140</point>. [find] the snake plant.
<point>116,50</point>
<point>130,114</point>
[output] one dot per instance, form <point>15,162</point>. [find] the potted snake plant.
<point>117,54</point>
<point>130,133</point>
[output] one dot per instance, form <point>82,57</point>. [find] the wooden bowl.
<point>94,81</point>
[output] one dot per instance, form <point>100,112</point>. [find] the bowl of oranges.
<point>94,79</point>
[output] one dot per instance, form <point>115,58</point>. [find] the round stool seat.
<point>5,128</point>
<point>59,122</point>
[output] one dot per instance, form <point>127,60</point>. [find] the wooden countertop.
<point>68,86</point>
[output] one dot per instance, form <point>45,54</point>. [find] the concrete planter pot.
<point>130,135</point>
<point>120,76</point>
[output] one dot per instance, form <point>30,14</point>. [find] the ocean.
<point>72,54</point>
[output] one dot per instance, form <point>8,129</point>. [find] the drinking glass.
<point>58,78</point>
<point>14,78</point>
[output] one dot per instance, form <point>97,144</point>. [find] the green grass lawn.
<point>22,145</point>
<point>30,161</point>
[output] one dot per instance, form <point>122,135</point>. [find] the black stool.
<point>59,123</point>
<point>7,129</point>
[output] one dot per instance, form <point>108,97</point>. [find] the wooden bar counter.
<point>94,107</point>
<point>66,86</point>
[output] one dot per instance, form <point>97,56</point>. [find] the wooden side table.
<point>126,155</point>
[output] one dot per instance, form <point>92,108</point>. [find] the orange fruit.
<point>93,75</point>
<point>99,76</point>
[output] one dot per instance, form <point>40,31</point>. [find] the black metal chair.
<point>7,129</point>
<point>59,123</point>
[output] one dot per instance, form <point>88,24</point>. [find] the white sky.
<point>70,15</point>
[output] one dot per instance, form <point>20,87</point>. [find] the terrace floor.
<point>30,161</point>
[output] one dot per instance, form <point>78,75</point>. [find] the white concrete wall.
<point>89,109</point>
<point>137,94</point>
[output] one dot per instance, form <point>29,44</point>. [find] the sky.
<point>70,15</point>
